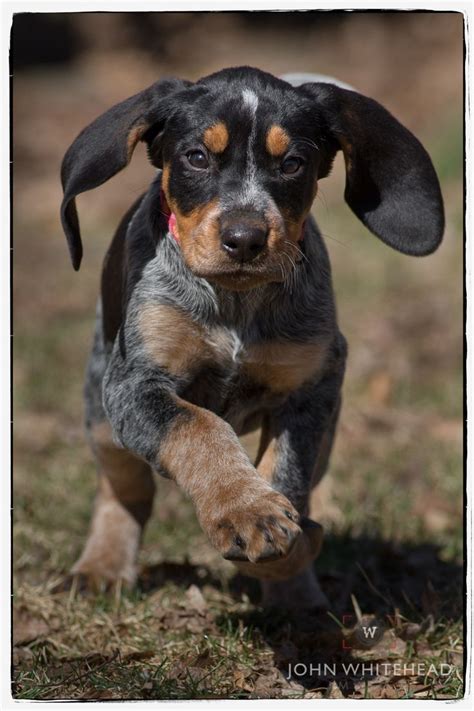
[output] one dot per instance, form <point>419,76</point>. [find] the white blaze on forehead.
<point>251,193</point>
<point>248,188</point>
<point>250,99</point>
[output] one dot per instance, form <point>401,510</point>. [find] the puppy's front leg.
<point>243,515</point>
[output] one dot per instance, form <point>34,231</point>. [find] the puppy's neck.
<point>238,309</point>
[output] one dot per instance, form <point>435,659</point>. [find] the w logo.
<point>369,632</point>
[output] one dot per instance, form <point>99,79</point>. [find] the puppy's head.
<point>241,154</point>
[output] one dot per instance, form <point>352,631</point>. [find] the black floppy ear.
<point>106,146</point>
<point>391,184</point>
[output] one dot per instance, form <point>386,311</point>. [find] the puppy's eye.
<point>197,159</point>
<point>291,165</point>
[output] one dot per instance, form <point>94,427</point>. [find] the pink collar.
<point>173,227</point>
<point>172,224</point>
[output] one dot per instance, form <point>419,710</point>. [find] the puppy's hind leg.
<point>125,492</point>
<point>122,507</point>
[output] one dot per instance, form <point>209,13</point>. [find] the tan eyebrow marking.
<point>277,140</point>
<point>216,137</point>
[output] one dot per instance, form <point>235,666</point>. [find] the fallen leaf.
<point>334,692</point>
<point>195,599</point>
<point>264,688</point>
<point>391,691</point>
<point>242,679</point>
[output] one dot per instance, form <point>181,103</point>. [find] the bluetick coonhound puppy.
<point>217,311</point>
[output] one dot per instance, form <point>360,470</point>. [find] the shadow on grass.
<point>409,583</point>
<point>382,575</point>
<point>403,586</point>
<point>184,574</point>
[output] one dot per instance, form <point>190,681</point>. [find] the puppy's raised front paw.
<point>260,524</point>
<point>305,549</point>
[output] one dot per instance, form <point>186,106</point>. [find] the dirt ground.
<point>392,503</point>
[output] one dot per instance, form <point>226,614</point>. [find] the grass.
<point>391,504</point>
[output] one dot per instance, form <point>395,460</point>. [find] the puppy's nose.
<point>243,242</point>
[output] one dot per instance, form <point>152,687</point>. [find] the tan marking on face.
<point>200,240</point>
<point>284,236</point>
<point>198,230</point>
<point>216,137</point>
<point>172,339</point>
<point>277,141</point>
<point>199,236</point>
<point>283,367</point>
